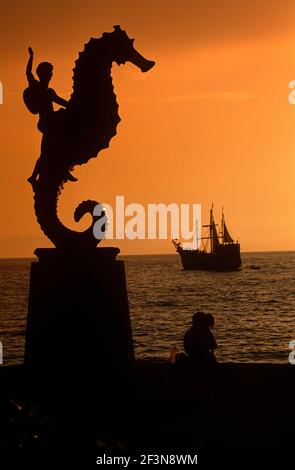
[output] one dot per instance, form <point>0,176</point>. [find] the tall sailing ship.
<point>224,254</point>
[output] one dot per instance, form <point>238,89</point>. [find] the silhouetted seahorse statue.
<point>81,131</point>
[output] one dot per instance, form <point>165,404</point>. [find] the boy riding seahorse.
<point>39,99</point>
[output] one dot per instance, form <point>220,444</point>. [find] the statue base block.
<point>78,326</point>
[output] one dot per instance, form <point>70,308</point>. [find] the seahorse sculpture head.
<point>122,50</point>
<point>81,131</point>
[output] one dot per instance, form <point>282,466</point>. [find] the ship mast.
<point>222,226</point>
<point>213,232</point>
<point>197,235</point>
<point>213,235</point>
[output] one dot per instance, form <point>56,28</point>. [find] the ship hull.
<point>226,258</point>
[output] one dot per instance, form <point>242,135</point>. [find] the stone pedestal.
<point>78,327</point>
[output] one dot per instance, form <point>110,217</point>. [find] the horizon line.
<point>156,254</point>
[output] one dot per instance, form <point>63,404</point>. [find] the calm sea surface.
<point>254,309</point>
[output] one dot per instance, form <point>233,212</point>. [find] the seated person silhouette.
<point>199,342</point>
<point>39,99</point>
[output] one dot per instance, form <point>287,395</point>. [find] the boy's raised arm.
<point>29,73</point>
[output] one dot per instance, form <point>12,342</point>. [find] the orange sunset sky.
<point>211,122</point>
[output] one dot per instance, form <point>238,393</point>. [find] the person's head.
<point>210,320</point>
<point>198,318</point>
<point>44,71</point>
<point>203,319</point>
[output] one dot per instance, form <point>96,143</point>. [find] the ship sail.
<point>214,234</point>
<point>226,238</point>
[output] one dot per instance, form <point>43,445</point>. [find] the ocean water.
<point>254,309</point>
